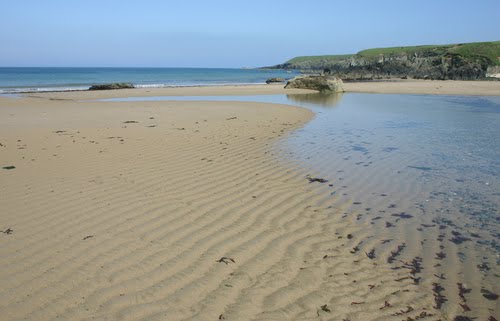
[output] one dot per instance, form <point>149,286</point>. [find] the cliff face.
<point>493,71</point>
<point>445,62</point>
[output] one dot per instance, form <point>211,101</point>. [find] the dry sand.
<point>178,211</point>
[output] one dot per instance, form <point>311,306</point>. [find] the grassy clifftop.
<point>487,50</point>
<point>312,60</point>
<point>454,61</point>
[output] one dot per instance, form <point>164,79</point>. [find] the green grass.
<point>402,50</point>
<point>316,59</point>
<point>489,50</point>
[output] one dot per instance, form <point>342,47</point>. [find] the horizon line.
<point>130,67</point>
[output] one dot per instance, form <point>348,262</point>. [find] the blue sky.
<point>220,33</point>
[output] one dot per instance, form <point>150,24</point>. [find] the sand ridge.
<point>223,90</point>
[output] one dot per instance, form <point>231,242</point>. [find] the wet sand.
<point>429,87</point>
<point>229,90</point>
<point>182,211</point>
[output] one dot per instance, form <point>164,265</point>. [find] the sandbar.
<point>427,87</point>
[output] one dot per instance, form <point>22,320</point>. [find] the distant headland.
<point>465,61</point>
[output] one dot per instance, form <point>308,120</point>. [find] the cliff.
<point>458,61</point>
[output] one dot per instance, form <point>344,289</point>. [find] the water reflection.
<point>324,100</point>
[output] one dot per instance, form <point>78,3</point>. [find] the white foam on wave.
<point>150,85</point>
<point>40,89</point>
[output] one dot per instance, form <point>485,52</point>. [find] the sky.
<point>223,33</point>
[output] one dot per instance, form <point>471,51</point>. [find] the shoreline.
<point>145,87</point>
<point>424,87</point>
<point>226,90</point>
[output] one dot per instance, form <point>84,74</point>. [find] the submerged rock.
<point>320,83</point>
<point>116,85</point>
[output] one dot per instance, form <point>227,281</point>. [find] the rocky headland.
<point>471,61</point>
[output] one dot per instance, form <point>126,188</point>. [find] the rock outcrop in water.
<point>458,62</point>
<point>116,85</point>
<point>275,80</point>
<point>321,83</point>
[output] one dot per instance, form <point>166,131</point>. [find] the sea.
<point>37,79</point>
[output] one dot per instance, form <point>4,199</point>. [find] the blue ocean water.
<point>29,79</point>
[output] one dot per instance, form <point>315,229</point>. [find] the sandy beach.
<point>185,211</point>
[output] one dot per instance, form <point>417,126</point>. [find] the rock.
<point>493,72</point>
<point>275,80</point>
<point>116,85</point>
<point>320,83</point>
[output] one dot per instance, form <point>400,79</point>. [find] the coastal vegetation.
<point>468,61</point>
